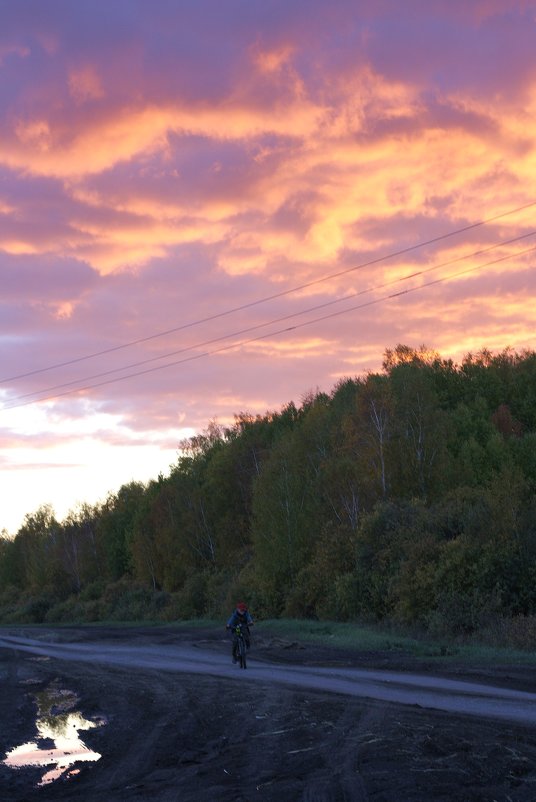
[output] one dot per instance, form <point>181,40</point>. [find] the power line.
<point>240,344</point>
<point>273,297</point>
<point>257,326</point>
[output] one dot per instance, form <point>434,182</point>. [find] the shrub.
<point>32,609</point>
<point>93,591</point>
<point>518,632</point>
<point>66,611</point>
<point>132,605</point>
<point>221,593</point>
<point>264,599</point>
<point>463,613</point>
<point>191,600</point>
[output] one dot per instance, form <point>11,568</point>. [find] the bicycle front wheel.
<point>242,653</point>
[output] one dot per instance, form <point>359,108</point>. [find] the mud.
<point>175,736</point>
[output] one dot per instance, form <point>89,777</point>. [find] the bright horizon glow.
<point>163,165</point>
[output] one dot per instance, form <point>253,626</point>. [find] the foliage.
<point>406,496</point>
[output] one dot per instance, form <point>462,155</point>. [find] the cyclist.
<point>242,617</point>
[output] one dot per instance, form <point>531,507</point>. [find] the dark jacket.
<point>238,618</point>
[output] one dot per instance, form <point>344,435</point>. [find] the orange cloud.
<point>64,310</point>
<point>372,150</point>
<point>85,84</point>
<point>34,134</point>
<point>119,246</point>
<point>5,207</point>
<point>270,61</point>
<point>17,247</point>
<point>297,347</point>
<point>45,147</point>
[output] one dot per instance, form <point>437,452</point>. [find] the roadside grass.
<point>361,638</point>
<point>192,623</point>
<point>348,635</point>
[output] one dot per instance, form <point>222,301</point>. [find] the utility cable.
<point>250,340</point>
<point>257,326</point>
<point>273,297</point>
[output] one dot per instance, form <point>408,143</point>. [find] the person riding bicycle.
<point>240,617</point>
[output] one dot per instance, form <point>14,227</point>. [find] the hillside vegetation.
<point>407,497</point>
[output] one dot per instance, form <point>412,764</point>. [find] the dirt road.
<point>310,724</point>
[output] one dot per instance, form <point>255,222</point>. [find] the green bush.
<point>132,605</point>
<point>93,591</point>
<point>264,599</point>
<point>9,604</point>
<point>463,613</point>
<point>68,611</point>
<point>343,604</point>
<point>518,632</point>
<point>32,609</point>
<point>194,595</point>
<point>222,593</point>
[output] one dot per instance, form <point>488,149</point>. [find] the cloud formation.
<point>177,180</point>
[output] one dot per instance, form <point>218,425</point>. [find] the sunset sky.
<point>212,207</point>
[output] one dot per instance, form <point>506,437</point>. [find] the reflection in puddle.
<point>56,722</point>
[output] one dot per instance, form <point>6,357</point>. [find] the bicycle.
<point>240,646</point>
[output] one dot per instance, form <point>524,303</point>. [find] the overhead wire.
<point>274,321</point>
<point>265,336</point>
<point>275,296</point>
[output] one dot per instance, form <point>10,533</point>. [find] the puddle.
<point>57,743</point>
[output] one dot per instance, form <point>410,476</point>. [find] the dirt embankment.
<point>175,736</point>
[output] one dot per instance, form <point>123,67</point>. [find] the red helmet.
<point>241,608</point>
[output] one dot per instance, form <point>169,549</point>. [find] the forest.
<point>406,496</point>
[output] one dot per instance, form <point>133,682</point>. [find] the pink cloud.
<point>160,168</point>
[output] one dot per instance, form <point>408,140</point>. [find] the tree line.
<point>406,495</point>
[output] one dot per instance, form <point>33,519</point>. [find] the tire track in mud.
<point>434,693</point>
<point>343,780</point>
<point>224,734</point>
